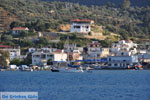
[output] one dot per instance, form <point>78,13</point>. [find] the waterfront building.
<point>81,26</point>
<point>121,61</point>
<point>41,58</point>
<point>144,58</point>
<point>94,51</point>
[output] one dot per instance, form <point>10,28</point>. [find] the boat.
<point>54,70</point>
<point>138,67</point>
<point>70,69</point>
<point>27,70</point>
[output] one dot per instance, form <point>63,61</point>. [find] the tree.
<point>90,33</point>
<point>4,58</point>
<point>125,4</point>
<point>28,59</point>
<point>15,24</point>
<point>50,62</point>
<point>23,34</point>
<point>16,62</point>
<point>42,40</point>
<point>6,38</point>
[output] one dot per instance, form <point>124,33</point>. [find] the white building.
<point>18,30</point>
<point>81,26</point>
<point>121,61</point>
<point>14,53</point>
<point>41,58</point>
<point>44,49</point>
<point>32,50</point>
<point>124,48</point>
<point>95,51</point>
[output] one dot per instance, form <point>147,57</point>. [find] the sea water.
<point>98,85</point>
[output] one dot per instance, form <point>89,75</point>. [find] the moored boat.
<point>69,69</point>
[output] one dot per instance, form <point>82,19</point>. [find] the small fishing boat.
<point>138,66</point>
<point>54,70</point>
<point>27,70</point>
<point>69,69</point>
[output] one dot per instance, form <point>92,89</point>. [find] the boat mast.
<point>68,50</point>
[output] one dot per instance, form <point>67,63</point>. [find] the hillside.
<point>48,16</point>
<point>5,19</point>
<point>104,2</point>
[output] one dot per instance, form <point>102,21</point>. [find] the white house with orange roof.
<point>81,26</point>
<point>17,30</point>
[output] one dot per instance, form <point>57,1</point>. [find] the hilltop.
<point>125,20</point>
<point>104,2</point>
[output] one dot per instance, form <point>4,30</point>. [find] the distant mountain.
<point>103,2</point>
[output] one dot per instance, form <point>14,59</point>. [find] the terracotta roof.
<point>78,20</point>
<point>20,28</point>
<point>4,46</point>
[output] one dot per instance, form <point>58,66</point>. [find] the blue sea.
<point>99,85</point>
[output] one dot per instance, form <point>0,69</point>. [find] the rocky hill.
<point>125,20</point>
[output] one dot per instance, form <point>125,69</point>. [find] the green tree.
<point>89,33</point>
<point>15,24</point>
<point>16,62</point>
<point>6,38</point>
<point>28,59</point>
<point>4,58</point>
<point>42,40</point>
<point>23,34</point>
<point>49,62</point>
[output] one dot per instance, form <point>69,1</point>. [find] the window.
<point>109,59</point>
<point>76,26</point>
<point>43,56</point>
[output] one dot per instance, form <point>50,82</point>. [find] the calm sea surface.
<point>99,85</point>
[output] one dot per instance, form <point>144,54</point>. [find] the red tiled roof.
<point>4,46</point>
<point>20,28</point>
<point>78,20</point>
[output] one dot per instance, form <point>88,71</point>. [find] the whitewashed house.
<point>41,58</point>
<point>32,50</point>
<point>95,51</point>
<point>43,49</point>
<point>124,48</point>
<point>81,26</point>
<point>18,30</point>
<point>121,61</point>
